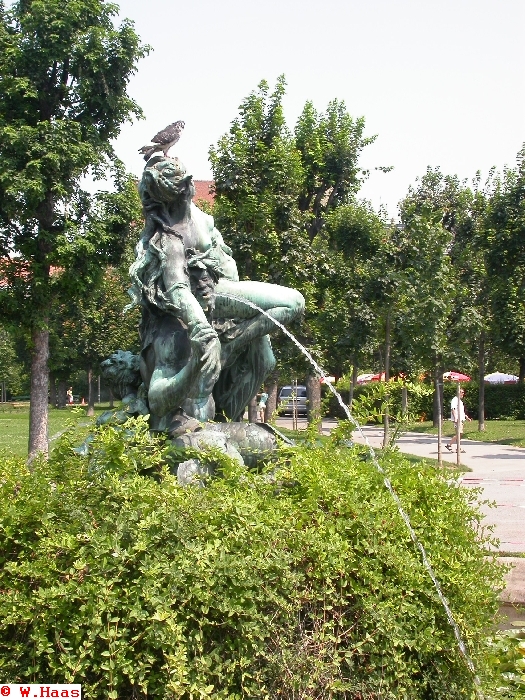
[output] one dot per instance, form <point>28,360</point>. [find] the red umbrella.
<point>456,377</point>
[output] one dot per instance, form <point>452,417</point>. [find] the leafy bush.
<point>299,584</point>
<point>371,397</point>
<point>504,401</point>
<point>508,660</point>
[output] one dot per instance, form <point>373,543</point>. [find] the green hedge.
<point>307,586</point>
<point>418,404</point>
<point>502,401</point>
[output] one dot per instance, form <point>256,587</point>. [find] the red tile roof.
<point>202,191</point>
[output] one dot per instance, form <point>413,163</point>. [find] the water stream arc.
<point>404,515</point>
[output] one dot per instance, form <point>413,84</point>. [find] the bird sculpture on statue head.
<point>164,140</point>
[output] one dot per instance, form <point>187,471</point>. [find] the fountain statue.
<point>205,339</point>
<point>205,346</point>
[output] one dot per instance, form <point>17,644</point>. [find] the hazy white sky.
<point>440,83</point>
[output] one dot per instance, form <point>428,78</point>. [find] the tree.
<point>330,145</point>
<point>462,210</point>
<point>87,329</point>
<point>97,326</point>
<point>258,179</point>
<point>64,73</point>
<point>427,284</point>
<point>275,191</point>
<point>353,236</point>
<point>505,259</point>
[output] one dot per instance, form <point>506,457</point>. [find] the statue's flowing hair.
<point>146,271</point>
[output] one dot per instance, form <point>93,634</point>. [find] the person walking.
<point>457,414</point>
<point>261,408</point>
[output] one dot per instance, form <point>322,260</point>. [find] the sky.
<point>441,84</point>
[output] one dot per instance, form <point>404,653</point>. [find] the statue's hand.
<point>217,261</point>
<point>207,347</point>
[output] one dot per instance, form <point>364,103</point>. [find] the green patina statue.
<point>205,350</point>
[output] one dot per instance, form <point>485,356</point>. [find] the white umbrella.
<point>501,378</point>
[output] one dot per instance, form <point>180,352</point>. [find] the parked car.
<point>288,396</point>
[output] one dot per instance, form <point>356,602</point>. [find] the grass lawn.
<point>503,432</point>
<point>14,427</point>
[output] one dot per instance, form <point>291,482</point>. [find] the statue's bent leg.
<point>281,303</point>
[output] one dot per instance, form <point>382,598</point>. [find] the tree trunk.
<point>271,403</point>
<point>438,401</point>
<point>53,401</point>
<point>386,417</point>
<point>62,394</point>
<point>313,398</point>
<point>111,399</point>
<point>91,393</point>
<point>252,410</point>
<point>521,379</point>
<point>352,383</point>
<point>481,398</point>
<point>38,409</point>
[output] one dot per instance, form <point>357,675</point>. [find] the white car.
<point>290,396</point>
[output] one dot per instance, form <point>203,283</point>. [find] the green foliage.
<point>11,369</point>
<point>385,398</point>
<point>426,282</point>
<point>90,328</point>
<point>274,193</point>
<point>65,70</point>
<point>372,400</point>
<point>507,656</point>
<point>258,175</point>
<point>505,257</point>
<point>305,584</point>
<point>330,145</point>
<point>502,401</point>
<point>353,235</point>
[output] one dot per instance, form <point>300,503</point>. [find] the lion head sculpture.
<point>122,372</point>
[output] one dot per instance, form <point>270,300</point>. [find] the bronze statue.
<point>205,352</point>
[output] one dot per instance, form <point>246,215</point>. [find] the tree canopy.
<point>275,190</point>
<point>505,222</point>
<point>64,72</point>
<point>441,287</point>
